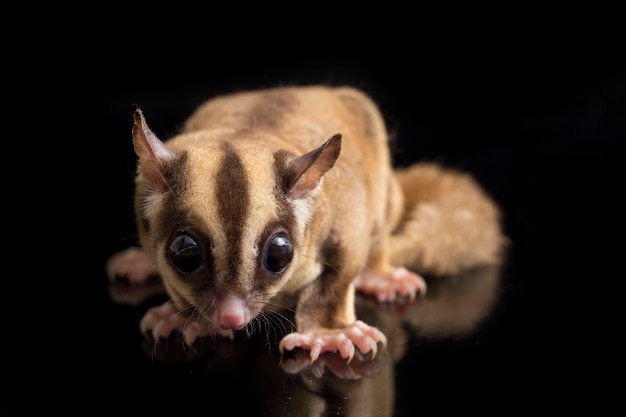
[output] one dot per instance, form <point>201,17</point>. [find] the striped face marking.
<point>232,193</point>
<point>239,229</point>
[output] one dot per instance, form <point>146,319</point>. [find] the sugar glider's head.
<point>224,217</point>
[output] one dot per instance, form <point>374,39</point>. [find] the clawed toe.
<point>344,341</point>
<point>394,285</point>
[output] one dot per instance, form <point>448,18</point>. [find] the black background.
<point>538,117</point>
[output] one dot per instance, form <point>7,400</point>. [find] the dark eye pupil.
<point>278,254</point>
<point>185,253</point>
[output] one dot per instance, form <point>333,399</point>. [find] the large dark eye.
<point>277,254</point>
<point>185,253</point>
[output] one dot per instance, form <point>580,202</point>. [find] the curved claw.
<point>347,349</point>
<point>371,331</point>
<point>316,349</point>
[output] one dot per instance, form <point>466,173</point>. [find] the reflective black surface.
<point>253,378</point>
<point>541,133</point>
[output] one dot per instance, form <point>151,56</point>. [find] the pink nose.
<point>232,321</point>
<point>232,313</point>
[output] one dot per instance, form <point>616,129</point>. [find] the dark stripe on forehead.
<point>233,204</point>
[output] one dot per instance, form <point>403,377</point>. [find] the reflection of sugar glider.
<point>286,198</point>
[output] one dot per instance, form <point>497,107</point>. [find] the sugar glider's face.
<point>225,228</point>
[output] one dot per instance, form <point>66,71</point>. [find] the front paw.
<point>359,334</point>
<point>161,321</point>
<point>124,292</point>
<point>131,264</point>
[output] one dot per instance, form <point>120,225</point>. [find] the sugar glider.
<point>286,198</point>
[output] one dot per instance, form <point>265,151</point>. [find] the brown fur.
<point>312,163</point>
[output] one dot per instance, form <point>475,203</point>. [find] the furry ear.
<point>308,169</point>
<point>152,153</point>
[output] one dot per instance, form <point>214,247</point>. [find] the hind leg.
<point>389,281</point>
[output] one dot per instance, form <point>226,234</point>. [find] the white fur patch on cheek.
<point>303,210</point>
<point>303,207</point>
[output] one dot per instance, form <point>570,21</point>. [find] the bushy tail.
<point>449,222</point>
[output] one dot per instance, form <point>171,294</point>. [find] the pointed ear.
<point>152,153</point>
<point>308,169</point>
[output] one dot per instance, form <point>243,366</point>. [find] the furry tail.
<point>449,223</point>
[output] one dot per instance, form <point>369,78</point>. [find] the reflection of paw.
<point>295,361</point>
<point>175,350</point>
<point>131,264</point>
<point>363,366</point>
<point>391,285</point>
<point>161,321</point>
<point>359,334</point>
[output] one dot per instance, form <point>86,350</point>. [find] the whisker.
<point>250,327</point>
<point>278,314</point>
